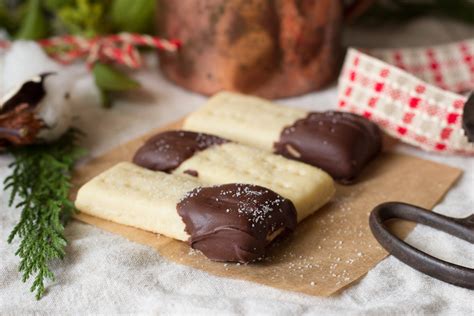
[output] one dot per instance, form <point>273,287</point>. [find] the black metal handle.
<point>417,259</point>
<point>468,118</point>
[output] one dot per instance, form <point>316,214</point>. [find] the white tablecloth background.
<point>104,273</point>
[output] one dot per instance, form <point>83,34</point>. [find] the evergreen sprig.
<point>40,180</point>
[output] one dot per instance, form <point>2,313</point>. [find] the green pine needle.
<point>41,180</point>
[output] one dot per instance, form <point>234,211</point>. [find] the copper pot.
<point>270,48</point>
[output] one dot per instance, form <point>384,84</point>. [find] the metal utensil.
<point>417,259</point>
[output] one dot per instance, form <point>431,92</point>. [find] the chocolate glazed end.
<point>235,222</point>
<point>166,151</point>
<point>340,143</point>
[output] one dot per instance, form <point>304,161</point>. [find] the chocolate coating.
<point>166,151</point>
<point>338,142</point>
<point>191,172</point>
<point>468,118</point>
<point>235,222</point>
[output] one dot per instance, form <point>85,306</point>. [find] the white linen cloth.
<point>104,273</point>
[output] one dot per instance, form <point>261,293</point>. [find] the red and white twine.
<point>412,93</point>
<point>118,48</point>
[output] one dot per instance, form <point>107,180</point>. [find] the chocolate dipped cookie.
<point>231,222</point>
<point>214,160</point>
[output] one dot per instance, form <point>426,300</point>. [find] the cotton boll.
<point>34,112</point>
<point>54,109</point>
<point>24,60</point>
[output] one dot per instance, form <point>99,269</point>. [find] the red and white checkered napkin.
<point>412,93</point>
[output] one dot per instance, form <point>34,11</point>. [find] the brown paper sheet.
<point>328,250</point>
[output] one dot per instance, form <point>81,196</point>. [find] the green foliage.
<point>40,180</point>
<point>54,5</point>
<point>84,17</point>
<point>42,18</point>
<point>9,18</point>
<point>109,79</point>
<point>133,16</point>
<point>34,25</point>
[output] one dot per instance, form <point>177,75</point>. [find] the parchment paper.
<point>330,249</point>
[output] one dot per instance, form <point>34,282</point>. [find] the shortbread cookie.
<point>338,142</point>
<point>245,119</point>
<point>214,160</point>
<point>128,194</point>
<point>231,222</point>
